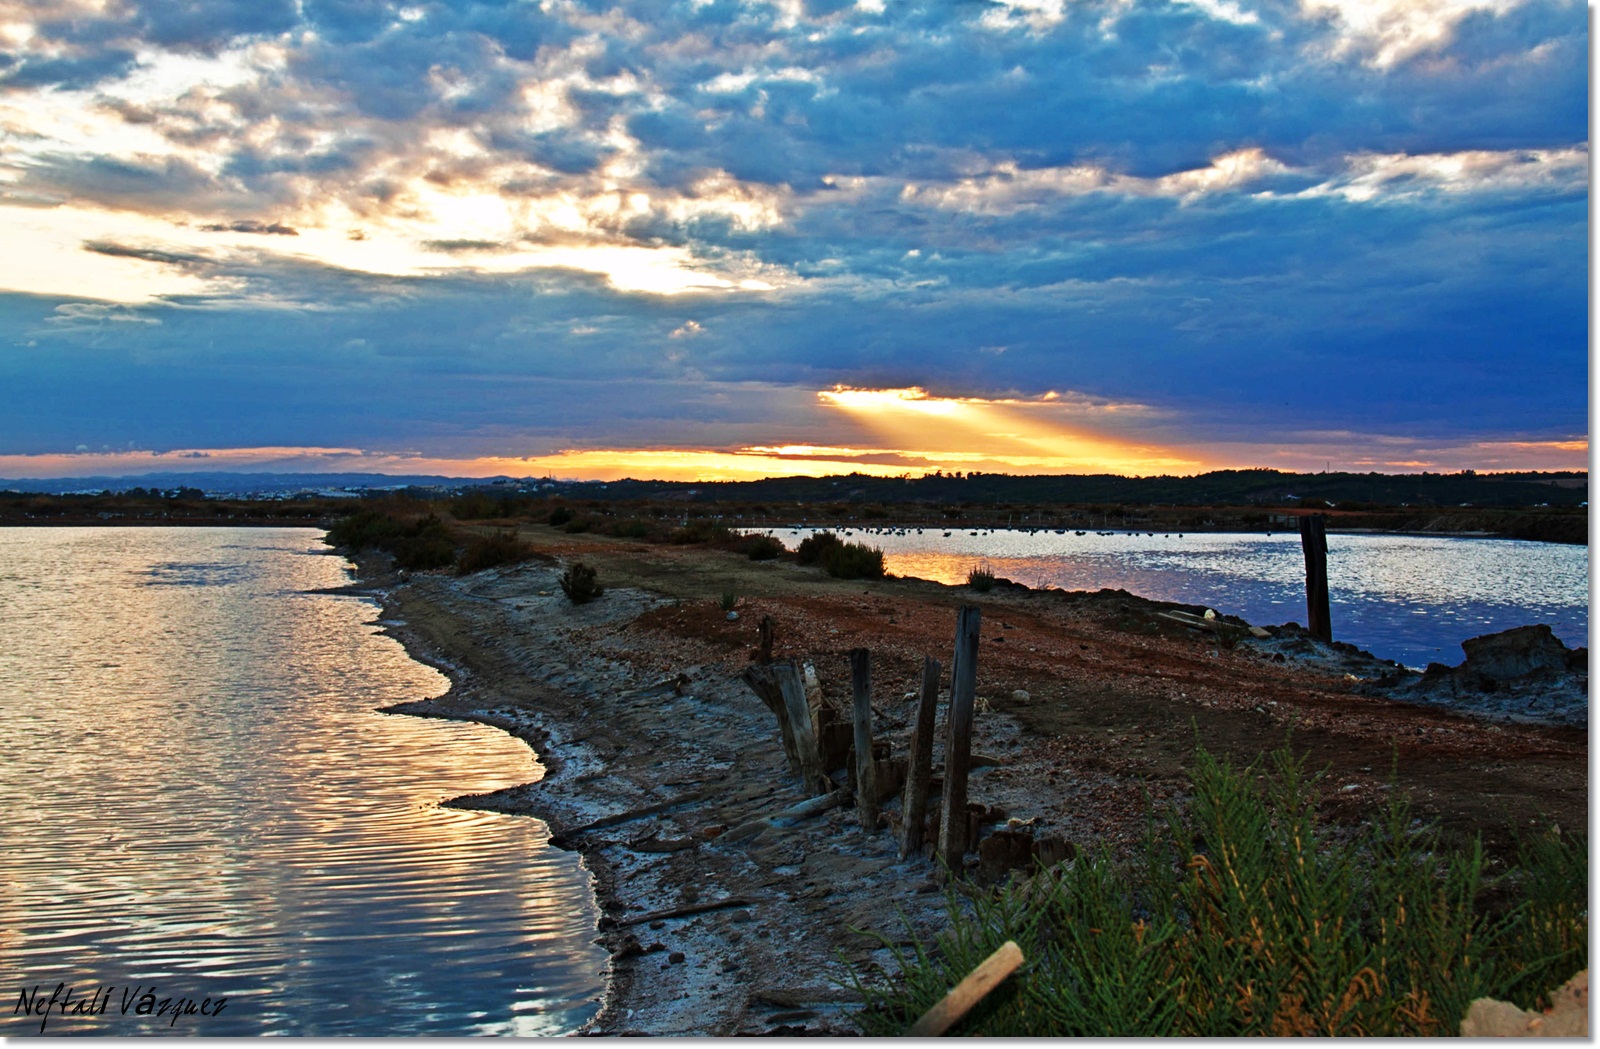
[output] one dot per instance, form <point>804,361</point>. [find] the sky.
<point>740,238</point>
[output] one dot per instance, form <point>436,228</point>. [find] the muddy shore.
<point>662,765</point>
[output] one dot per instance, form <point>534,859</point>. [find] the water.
<point>199,797</point>
<point>1404,597</point>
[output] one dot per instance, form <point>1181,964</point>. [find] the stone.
<point>1567,1017</point>
<point>1516,653</point>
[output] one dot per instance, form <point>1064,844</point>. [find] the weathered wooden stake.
<point>866,778</point>
<point>919,771</point>
<point>953,834</point>
<point>764,650</point>
<point>1314,543</point>
<point>794,703</point>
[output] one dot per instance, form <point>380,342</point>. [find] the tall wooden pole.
<point>953,841</point>
<point>1314,543</point>
<point>919,771</point>
<point>866,780</point>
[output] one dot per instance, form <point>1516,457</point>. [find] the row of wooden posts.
<point>811,736</point>
<point>816,742</point>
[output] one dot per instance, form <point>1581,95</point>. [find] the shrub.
<point>762,547</point>
<point>728,600</point>
<point>580,583</point>
<point>981,578</point>
<point>701,531</point>
<point>419,543</point>
<point>576,525</point>
<point>1246,917</point>
<point>559,516</point>
<point>814,547</point>
<point>486,551</point>
<point>854,561</point>
<point>363,529</point>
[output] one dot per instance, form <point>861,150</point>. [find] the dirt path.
<point>1089,702</point>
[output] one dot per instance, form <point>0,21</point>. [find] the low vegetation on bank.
<point>1248,916</point>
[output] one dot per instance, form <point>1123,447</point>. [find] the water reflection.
<point>1410,598</point>
<point>199,795</point>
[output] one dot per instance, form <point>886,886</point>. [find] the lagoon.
<point>200,797</point>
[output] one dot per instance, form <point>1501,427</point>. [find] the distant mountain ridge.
<point>1220,487</point>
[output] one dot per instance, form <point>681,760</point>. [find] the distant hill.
<point>235,484</point>
<point>1218,488</point>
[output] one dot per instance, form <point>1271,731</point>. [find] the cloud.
<point>251,226</point>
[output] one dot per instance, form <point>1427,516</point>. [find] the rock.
<point>1568,1016</point>
<point>1020,695</point>
<point>733,617</point>
<point>676,958</point>
<point>1002,852</point>
<point>1516,653</point>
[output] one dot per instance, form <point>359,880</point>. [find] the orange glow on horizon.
<point>1027,436</point>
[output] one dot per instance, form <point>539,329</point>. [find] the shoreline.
<point>634,708</point>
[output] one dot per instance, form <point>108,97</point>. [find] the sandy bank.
<point>655,750</point>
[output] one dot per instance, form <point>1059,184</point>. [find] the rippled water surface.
<point>199,798</point>
<point>1404,597</point>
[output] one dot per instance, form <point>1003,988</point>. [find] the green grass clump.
<point>581,583</point>
<point>728,601</point>
<point>981,578</point>
<point>486,551</point>
<point>853,561</point>
<point>1247,917</point>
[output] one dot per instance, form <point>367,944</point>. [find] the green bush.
<point>577,525</point>
<point>580,583</point>
<point>814,547</point>
<point>418,543</point>
<point>854,561</point>
<point>559,516</point>
<point>1247,917</point>
<point>486,551</point>
<point>363,529</point>
<point>981,578</point>
<point>761,547</point>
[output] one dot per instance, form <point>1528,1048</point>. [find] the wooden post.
<point>866,779</point>
<point>1314,543</point>
<point>793,687</point>
<point>919,772</point>
<point>953,836</point>
<point>764,633</point>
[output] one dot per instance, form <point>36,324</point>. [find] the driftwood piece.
<point>681,912</point>
<point>954,836</point>
<point>919,771</point>
<point>788,817</point>
<point>866,778</point>
<point>647,810</point>
<point>969,992</point>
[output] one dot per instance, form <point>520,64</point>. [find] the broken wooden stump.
<point>866,778</point>
<point>954,837</point>
<point>919,768</point>
<point>781,687</point>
